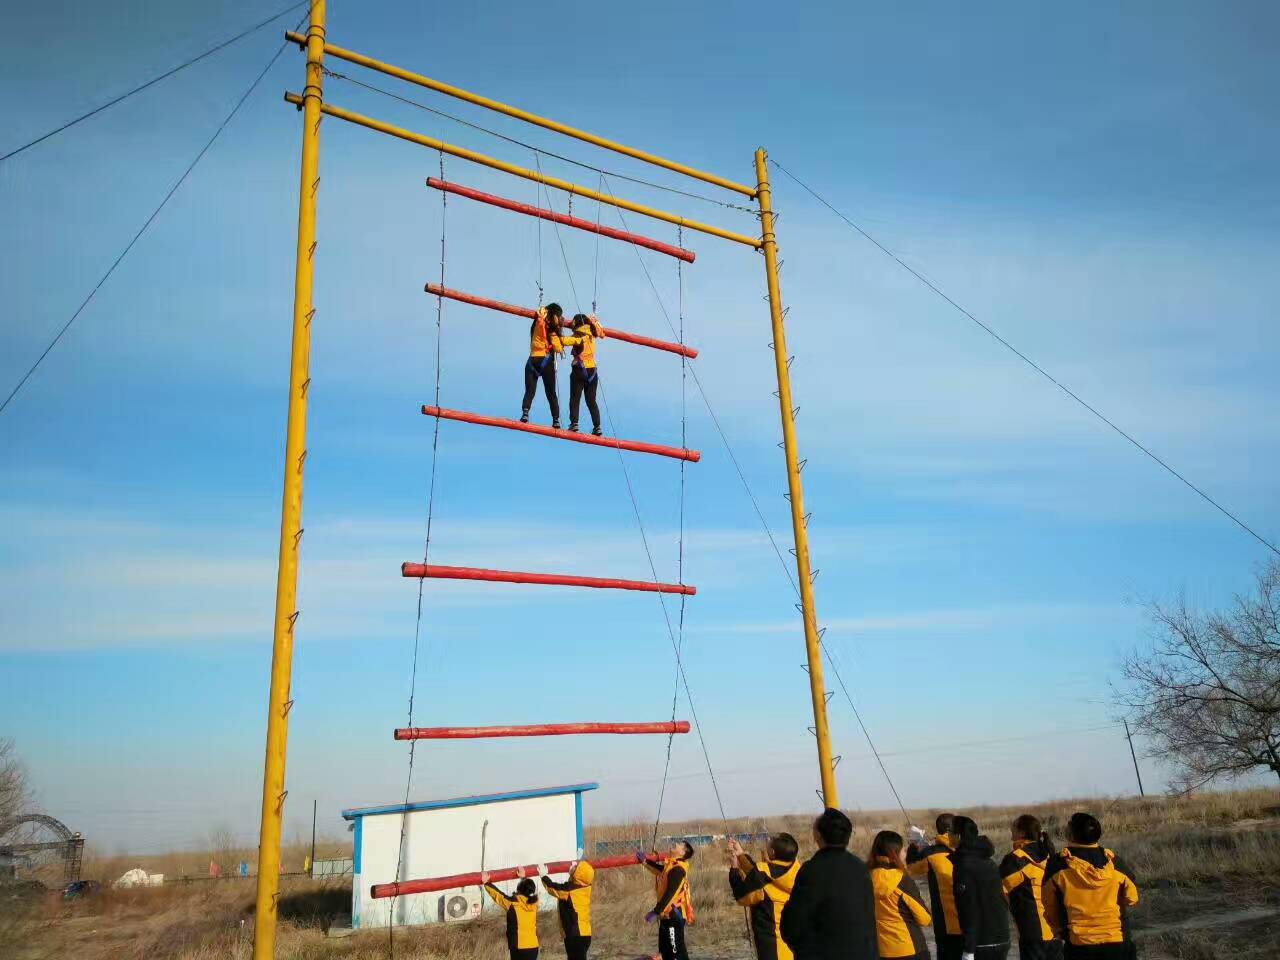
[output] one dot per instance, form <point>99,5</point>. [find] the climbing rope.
<point>426,550</point>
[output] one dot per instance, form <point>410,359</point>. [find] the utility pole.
<point>312,871</point>
<point>1136,771</point>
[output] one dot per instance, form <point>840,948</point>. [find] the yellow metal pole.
<point>812,644</point>
<point>451,91</point>
<point>511,168</point>
<point>273,790</point>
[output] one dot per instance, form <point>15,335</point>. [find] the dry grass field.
<point>1208,866</point>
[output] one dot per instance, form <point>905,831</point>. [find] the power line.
<point>1035,366</point>
<point>152,82</point>
<point>143,229</point>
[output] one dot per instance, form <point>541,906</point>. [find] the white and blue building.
<point>462,835</point>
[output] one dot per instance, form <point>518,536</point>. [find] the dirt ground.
<point>1208,868</point>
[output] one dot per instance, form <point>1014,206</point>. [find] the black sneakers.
<point>555,424</point>
<point>597,432</point>
<point>573,428</point>
<point>524,416</point>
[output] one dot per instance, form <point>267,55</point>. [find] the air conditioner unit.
<point>461,904</point>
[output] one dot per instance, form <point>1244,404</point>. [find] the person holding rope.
<point>933,860</point>
<point>583,377</point>
<point>764,888</point>
<point>674,909</point>
<point>544,345</point>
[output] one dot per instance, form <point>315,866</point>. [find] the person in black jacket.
<point>980,903</point>
<point>831,914</point>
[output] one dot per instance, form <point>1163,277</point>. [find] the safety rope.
<point>755,503</point>
<point>426,550</point>
<point>653,568</point>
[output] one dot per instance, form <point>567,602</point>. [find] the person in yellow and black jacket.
<point>1088,893</point>
<point>674,909</point>
<point>1022,874</point>
<point>900,915</point>
<point>573,900</point>
<point>522,916</point>
<point>584,378</point>
<point>764,888</point>
<point>933,860</point>
<point>544,345</point>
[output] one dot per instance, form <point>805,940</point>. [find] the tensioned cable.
<point>143,229</point>
<point>426,550</point>
<point>409,101</point>
<point>644,539</point>
<point>152,82</point>
<point>1035,366</point>
<point>786,569</point>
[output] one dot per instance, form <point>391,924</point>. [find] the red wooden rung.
<point>677,453</point>
<point>609,332</point>
<point>529,210</point>
<point>539,730</point>
<point>435,571</point>
<point>380,891</point>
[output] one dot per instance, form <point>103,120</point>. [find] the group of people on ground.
<point>546,342</point>
<point>1070,904</point>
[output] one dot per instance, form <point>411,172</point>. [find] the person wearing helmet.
<point>522,915</point>
<point>764,888</point>
<point>1088,893</point>
<point>584,378</point>
<point>573,901</point>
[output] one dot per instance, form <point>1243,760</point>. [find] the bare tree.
<point>1206,691</point>
<point>15,792</point>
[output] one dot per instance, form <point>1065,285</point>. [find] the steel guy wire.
<point>1098,414</point>
<point>152,82</point>
<point>146,225</point>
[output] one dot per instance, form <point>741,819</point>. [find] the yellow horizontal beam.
<point>514,170</point>
<point>457,92</point>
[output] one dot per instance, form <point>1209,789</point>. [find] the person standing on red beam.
<point>584,377</point>
<point>544,345</point>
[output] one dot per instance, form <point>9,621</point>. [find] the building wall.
<point>447,841</point>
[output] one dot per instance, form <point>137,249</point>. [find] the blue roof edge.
<point>353,813</point>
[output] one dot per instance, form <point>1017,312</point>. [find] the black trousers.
<point>1040,949</point>
<point>950,946</point>
<point>671,940</point>
<point>575,948</point>
<point>544,369</point>
<point>584,381</point>
<point>1101,951</point>
<point>528,953</point>
<point>992,953</point>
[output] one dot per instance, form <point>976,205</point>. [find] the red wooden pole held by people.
<point>636,446</point>
<point>609,332</point>
<point>529,210</point>
<point>380,891</point>
<point>436,571</point>
<point>539,730</point>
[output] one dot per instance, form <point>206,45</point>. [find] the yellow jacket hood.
<point>884,880</point>
<point>1091,875</point>
<point>782,874</point>
<point>583,873</point>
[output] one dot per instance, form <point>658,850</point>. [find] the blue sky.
<point>1096,182</point>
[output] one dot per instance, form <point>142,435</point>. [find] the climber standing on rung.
<point>584,377</point>
<point>544,345</point>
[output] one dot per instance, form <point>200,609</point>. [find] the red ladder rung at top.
<point>380,891</point>
<point>609,332</point>
<point>435,571</point>
<point>529,210</point>
<point>637,446</point>
<point>540,730</point>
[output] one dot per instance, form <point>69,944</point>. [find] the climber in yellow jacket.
<point>522,916</point>
<point>573,901</point>
<point>674,909</point>
<point>1087,895</point>
<point>765,888</point>
<point>900,914</point>
<point>544,345</point>
<point>584,378</point>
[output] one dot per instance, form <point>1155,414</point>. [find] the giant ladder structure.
<point>313,107</point>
